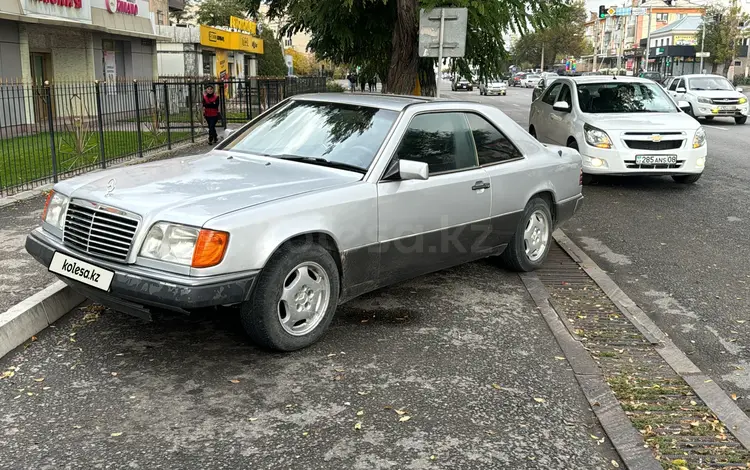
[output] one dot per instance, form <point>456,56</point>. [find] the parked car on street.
<point>546,79</point>
<point>531,80</point>
<point>654,76</point>
<point>710,96</point>
<point>493,87</point>
<point>462,84</point>
<point>621,126</point>
<point>321,199</point>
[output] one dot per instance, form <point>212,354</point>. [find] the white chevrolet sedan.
<point>621,126</point>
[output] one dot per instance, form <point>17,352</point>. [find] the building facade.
<point>76,40</point>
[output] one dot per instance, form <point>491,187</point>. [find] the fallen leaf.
<point>496,386</point>
<point>234,381</point>
<point>114,374</point>
<point>7,374</point>
<point>72,340</point>
<point>559,358</point>
<point>116,434</point>
<point>252,419</point>
<point>46,388</point>
<point>403,419</point>
<point>734,396</point>
<point>707,381</point>
<point>332,354</point>
<point>539,400</point>
<point>363,393</point>
<point>131,396</point>
<point>358,426</point>
<point>339,377</point>
<point>339,370</point>
<point>615,464</point>
<point>387,407</point>
<point>400,412</point>
<point>40,379</point>
<point>33,338</point>
<point>360,412</point>
<point>693,402</point>
<point>433,457</point>
<point>695,424</point>
<point>596,438</point>
<point>30,394</point>
<point>305,434</point>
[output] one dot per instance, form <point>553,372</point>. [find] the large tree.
<point>723,33</point>
<point>382,34</point>
<point>217,12</point>
<point>271,63</point>
<point>562,36</point>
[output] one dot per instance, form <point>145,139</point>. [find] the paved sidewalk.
<point>462,353</point>
<point>20,275</point>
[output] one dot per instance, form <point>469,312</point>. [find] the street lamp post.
<point>703,39</point>
<point>648,37</point>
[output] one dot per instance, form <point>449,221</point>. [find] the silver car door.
<point>548,99</point>
<point>427,225</point>
<point>560,128</point>
<point>509,176</point>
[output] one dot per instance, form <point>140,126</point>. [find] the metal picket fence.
<point>51,131</point>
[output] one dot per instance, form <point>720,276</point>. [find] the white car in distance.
<point>531,80</point>
<point>710,96</point>
<point>621,126</point>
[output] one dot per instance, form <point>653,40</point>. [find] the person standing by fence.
<point>211,113</point>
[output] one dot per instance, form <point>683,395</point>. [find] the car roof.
<point>608,78</point>
<point>373,100</point>
<point>698,75</point>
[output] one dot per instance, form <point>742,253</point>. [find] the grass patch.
<point>29,158</point>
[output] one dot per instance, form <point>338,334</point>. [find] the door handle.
<point>480,185</point>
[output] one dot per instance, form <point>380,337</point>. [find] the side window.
<point>673,85</point>
<point>565,95</point>
<point>492,145</point>
<point>551,94</point>
<point>442,140</point>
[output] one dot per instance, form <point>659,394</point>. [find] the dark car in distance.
<point>462,84</point>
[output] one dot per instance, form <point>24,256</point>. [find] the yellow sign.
<point>233,41</point>
<point>243,25</point>
<point>685,40</point>
<point>214,37</point>
<point>247,43</point>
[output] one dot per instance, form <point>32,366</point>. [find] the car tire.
<point>263,315</point>
<point>740,120</point>
<point>532,132</point>
<point>534,232</point>
<point>686,179</point>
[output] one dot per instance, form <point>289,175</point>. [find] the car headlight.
<point>704,100</point>
<point>700,138</point>
<point>743,100</point>
<point>185,245</point>
<point>55,209</point>
<point>597,137</point>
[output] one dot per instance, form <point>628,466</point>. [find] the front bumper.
<point>621,161</point>
<point>705,110</point>
<point>490,92</point>
<point>137,290</point>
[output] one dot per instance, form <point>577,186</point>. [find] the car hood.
<point>195,189</point>
<point>651,122</point>
<point>717,93</point>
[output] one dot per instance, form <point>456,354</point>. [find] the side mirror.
<point>413,170</point>
<point>681,90</point>
<point>561,106</point>
<point>684,105</point>
<point>739,89</point>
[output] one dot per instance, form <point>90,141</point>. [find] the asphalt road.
<point>463,355</point>
<point>681,252</point>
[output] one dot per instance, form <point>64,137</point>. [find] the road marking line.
<point>714,396</point>
<point>715,127</point>
<point>516,105</point>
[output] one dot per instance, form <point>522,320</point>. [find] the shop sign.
<point>685,40</point>
<point>243,25</point>
<point>122,6</point>
<point>75,10</point>
<point>221,39</point>
<point>246,43</point>
<point>110,71</point>
<point>214,37</point>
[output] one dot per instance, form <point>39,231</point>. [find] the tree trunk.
<point>427,76</point>
<point>402,72</point>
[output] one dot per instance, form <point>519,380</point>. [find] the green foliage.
<point>723,33</point>
<point>334,87</point>
<point>217,12</point>
<point>271,62</point>
<point>360,32</point>
<point>562,36</point>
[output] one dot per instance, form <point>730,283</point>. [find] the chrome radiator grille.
<point>99,231</point>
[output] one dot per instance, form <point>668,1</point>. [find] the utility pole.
<point>542,65</point>
<point>648,37</point>
<point>596,35</point>
<point>703,38</point>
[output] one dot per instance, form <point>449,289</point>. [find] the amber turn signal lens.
<point>46,205</point>
<point>210,248</point>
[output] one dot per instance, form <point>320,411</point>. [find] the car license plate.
<point>655,159</point>
<point>726,108</point>
<point>81,271</point>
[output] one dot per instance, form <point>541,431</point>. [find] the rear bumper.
<point>137,290</point>
<point>565,210</point>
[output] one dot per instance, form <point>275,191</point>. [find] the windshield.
<point>532,76</point>
<point>337,133</point>
<point>710,83</point>
<point>651,75</point>
<point>624,98</point>
<point>497,83</point>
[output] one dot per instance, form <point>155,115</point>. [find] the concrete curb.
<point>712,395</point>
<point>32,315</point>
<point>626,439</point>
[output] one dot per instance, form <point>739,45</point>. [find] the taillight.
<point>580,178</point>
<point>46,205</point>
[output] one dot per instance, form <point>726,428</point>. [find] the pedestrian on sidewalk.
<point>362,82</point>
<point>211,113</point>
<point>373,84</point>
<point>352,82</point>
